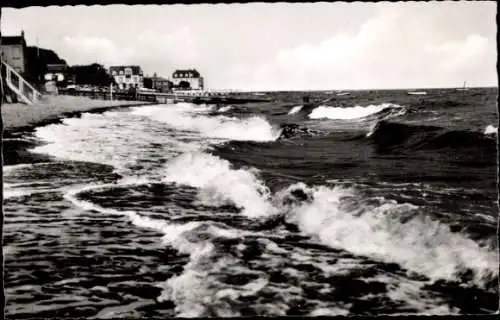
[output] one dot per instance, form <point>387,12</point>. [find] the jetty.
<point>191,96</point>
<point>200,97</point>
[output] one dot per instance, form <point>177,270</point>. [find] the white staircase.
<point>24,91</point>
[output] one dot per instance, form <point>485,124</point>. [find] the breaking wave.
<point>295,109</point>
<point>405,136</point>
<point>219,183</point>
<point>342,218</point>
<point>490,130</point>
<point>357,112</point>
<point>338,217</point>
<point>224,109</point>
<point>191,118</point>
<point>390,231</point>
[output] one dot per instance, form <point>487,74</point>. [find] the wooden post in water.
<point>111,91</point>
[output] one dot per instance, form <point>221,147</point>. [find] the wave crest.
<point>295,109</point>
<point>219,182</point>
<point>343,218</point>
<point>392,135</point>
<point>357,112</point>
<point>387,230</point>
<point>490,130</point>
<point>191,118</point>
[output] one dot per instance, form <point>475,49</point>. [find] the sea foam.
<point>490,130</point>
<point>295,109</point>
<point>391,232</point>
<point>219,182</point>
<point>341,218</point>
<point>194,291</point>
<point>339,113</point>
<point>191,118</point>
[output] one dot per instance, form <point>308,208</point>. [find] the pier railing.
<point>166,97</point>
<point>24,91</point>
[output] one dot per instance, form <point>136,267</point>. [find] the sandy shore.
<point>53,108</point>
<point>19,118</point>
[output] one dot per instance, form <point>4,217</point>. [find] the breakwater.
<point>171,97</point>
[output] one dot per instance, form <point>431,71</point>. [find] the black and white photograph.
<point>250,159</point>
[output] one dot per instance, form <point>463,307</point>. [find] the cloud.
<point>280,46</point>
<point>392,50</point>
<point>158,51</point>
<point>84,49</point>
<point>179,45</point>
<point>153,50</point>
<point>455,55</point>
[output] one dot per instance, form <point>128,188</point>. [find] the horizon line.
<point>346,89</point>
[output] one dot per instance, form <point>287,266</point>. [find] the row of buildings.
<point>127,77</point>
<point>14,53</point>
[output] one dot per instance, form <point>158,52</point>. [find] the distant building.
<point>13,50</point>
<point>187,79</point>
<point>57,72</point>
<point>157,83</point>
<point>127,77</point>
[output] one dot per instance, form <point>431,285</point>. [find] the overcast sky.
<point>279,46</point>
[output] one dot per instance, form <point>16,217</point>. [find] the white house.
<point>127,77</point>
<point>187,80</point>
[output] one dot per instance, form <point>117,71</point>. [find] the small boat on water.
<point>342,93</point>
<point>417,93</point>
<point>464,88</point>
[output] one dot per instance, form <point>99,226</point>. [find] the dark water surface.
<point>371,203</point>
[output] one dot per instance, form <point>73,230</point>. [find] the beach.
<point>18,117</point>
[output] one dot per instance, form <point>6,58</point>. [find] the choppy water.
<point>370,203</point>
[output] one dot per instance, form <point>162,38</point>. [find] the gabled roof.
<point>135,69</point>
<point>13,40</point>
<point>178,73</point>
<point>158,78</point>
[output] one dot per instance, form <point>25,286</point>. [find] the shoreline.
<point>10,132</point>
<point>16,144</point>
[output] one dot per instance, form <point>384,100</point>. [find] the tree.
<point>184,85</point>
<point>93,74</point>
<point>148,82</point>
<point>37,60</point>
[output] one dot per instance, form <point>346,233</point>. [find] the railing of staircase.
<point>24,88</point>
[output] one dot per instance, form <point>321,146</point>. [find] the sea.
<point>358,203</point>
